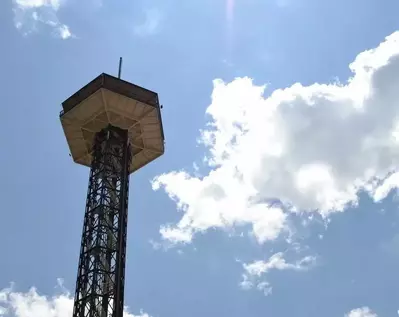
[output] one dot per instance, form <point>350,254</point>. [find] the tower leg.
<point>101,271</point>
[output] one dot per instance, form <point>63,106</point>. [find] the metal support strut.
<point>101,272</point>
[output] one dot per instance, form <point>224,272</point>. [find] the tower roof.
<point>108,100</point>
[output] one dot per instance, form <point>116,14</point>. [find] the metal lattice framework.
<point>101,272</point>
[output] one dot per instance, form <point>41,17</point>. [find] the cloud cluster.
<point>255,272</point>
<point>361,312</point>
<point>32,304</point>
<point>300,149</point>
<point>29,14</point>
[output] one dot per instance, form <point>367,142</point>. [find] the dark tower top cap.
<point>108,100</point>
<point>116,85</point>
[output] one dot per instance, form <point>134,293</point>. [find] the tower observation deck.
<point>115,128</point>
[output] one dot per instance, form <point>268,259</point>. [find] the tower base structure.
<point>101,272</point>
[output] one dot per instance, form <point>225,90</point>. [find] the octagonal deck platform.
<point>110,100</point>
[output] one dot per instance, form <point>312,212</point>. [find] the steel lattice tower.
<point>115,128</point>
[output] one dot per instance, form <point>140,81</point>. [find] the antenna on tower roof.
<point>120,67</point>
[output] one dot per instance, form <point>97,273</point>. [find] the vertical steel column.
<point>101,271</point>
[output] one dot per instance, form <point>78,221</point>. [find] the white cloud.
<point>33,304</point>
<point>312,148</point>
<point>254,272</point>
<point>29,14</point>
<point>28,4</point>
<point>382,191</point>
<point>150,25</point>
<point>361,312</point>
<point>64,32</point>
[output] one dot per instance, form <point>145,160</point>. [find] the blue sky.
<point>276,196</point>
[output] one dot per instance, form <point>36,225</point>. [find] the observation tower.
<point>115,128</point>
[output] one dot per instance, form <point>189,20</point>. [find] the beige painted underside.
<point>106,107</point>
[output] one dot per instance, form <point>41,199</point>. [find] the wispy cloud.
<point>283,3</point>
<point>150,23</point>
<point>255,272</point>
<point>29,15</point>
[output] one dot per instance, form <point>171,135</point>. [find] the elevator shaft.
<point>101,271</point>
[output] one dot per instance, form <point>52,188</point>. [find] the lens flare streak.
<point>230,4</point>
